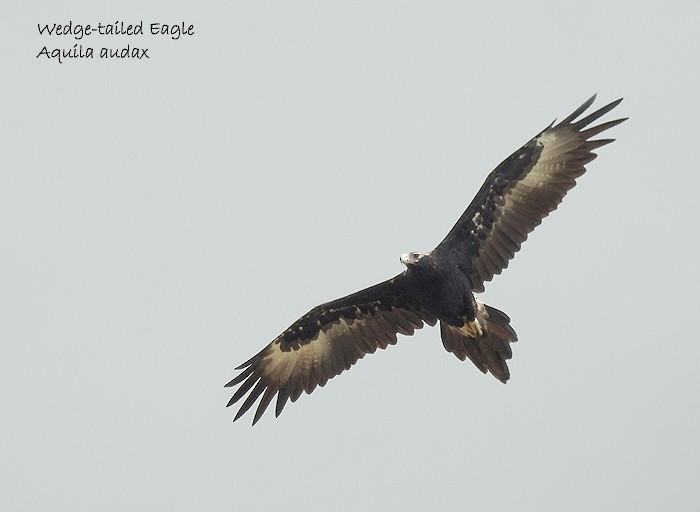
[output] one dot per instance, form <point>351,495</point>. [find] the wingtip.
<point>247,363</point>
<point>240,413</point>
<point>589,101</point>
<point>570,118</point>
<point>607,108</point>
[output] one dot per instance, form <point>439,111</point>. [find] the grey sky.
<point>163,220</point>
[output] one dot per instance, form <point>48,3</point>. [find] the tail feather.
<point>489,352</point>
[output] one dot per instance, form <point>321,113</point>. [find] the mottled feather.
<point>513,200</point>
<point>326,341</point>
<point>525,188</point>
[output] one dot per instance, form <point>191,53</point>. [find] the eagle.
<point>437,286</point>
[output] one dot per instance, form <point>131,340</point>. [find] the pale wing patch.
<point>311,363</point>
<point>522,205</point>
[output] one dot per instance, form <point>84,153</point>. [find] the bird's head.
<point>411,258</point>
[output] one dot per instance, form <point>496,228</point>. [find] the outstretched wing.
<point>521,191</point>
<point>327,340</point>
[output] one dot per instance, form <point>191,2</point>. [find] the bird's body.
<point>438,286</point>
<point>441,290</point>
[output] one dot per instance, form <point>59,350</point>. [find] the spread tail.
<point>488,351</point>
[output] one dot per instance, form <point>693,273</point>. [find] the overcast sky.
<point>164,218</point>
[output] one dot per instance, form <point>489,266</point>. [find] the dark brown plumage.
<point>437,286</point>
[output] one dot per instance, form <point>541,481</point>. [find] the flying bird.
<point>437,286</point>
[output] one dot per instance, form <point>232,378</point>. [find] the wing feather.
<point>511,203</point>
<point>282,397</point>
<point>325,342</point>
<point>523,190</point>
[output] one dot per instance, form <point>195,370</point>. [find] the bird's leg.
<point>472,328</point>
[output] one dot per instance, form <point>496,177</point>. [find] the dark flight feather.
<point>511,203</point>
<point>522,191</point>
<point>326,341</point>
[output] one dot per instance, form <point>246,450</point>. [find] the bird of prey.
<point>437,286</point>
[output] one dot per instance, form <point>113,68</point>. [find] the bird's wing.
<point>521,191</point>
<point>327,340</point>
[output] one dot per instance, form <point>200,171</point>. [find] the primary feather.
<point>522,191</point>
<point>437,286</point>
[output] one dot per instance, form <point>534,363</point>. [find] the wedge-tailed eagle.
<point>437,286</point>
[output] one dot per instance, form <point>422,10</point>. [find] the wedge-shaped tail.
<point>490,351</point>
